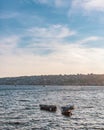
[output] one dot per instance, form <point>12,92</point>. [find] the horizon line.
<point>52,75</point>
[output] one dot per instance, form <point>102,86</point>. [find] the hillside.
<point>79,79</point>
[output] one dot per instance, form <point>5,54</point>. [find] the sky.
<point>43,37</point>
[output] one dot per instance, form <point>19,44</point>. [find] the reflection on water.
<point>19,107</point>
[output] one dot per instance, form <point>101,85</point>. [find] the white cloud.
<point>53,31</point>
<point>38,40</point>
<point>41,40</point>
<point>97,5</point>
<point>89,39</point>
<point>88,5</point>
<point>46,38</point>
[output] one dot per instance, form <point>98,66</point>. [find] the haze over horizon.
<point>41,37</point>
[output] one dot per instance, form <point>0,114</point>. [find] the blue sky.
<point>51,37</point>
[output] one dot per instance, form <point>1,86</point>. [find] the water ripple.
<point>19,107</point>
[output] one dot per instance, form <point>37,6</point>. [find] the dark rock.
<point>67,110</point>
<point>67,113</point>
<point>51,108</point>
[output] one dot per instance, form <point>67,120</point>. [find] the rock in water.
<point>51,108</point>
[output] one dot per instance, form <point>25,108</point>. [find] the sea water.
<point>19,107</point>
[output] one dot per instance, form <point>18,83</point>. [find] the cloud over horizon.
<point>38,37</point>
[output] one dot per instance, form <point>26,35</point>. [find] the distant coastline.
<point>79,79</point>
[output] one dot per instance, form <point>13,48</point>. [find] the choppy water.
<point>19,107</point>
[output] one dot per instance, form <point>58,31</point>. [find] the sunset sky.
<point>39,37</point>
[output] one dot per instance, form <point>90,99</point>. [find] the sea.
<point>19,107</point>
